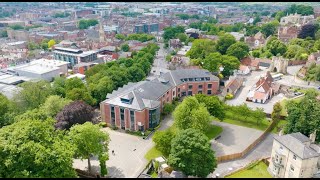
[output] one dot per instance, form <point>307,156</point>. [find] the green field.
<point>240,121</point>
<point>255,170</point>
<point>152,153</point>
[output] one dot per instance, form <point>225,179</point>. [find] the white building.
<point>295,156</point>
<point>42,69</point>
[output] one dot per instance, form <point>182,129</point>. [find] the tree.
<point>32,95</point>
<point>276,113</point>
<point>32,149</point>
<point>279,15</point>
<point>163,139</point>
<point>244,110</point>
<point>54,104</point>
<point>89,140</point>
<point>81,94</point>
<point>229,64</point>
<point>259,115</point>
<point>238,49</point>
<point>51,43</point>
<point>307,30</point>
<point>182,37</point>
<point>212,62</point>
<point>224,42</point>
<point>213,104</point>
<point>168,108</point>
<point>74,83</point>
<point>201,48</point>
<point>99,86</point>
<point>188,150</point>
<point>120,36</point>
<point>256,53</point>
<point>4,108</point>
<point>84,24</point>
<point>136,73</point>
<point>317,35</point>
<point>268,29</point>
<point>59,86</point>
<point>304,116</point>
<point>125,47</point>
<point>76,112</point>
<point>256,20</point>
<point>294,52</point>
<point>277,47</point>
<point>191,114</point>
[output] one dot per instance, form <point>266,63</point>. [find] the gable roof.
<point>296,142</point>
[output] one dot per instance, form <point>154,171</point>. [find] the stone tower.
<point>102,36</point>
<point>279,64</point>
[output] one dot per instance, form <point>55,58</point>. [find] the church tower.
<point>102,36</point>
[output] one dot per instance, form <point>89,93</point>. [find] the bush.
<point>168,108</point>
<point>114,127</point>
<point>229,96</point>
<point>103,124</point>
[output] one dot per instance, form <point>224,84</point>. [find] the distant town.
<point>159,90</point>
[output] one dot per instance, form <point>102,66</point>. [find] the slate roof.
<point>296,142</point>
<point>146,93</point>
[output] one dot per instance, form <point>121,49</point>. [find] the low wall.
<point>249,148</point>
<point>296,62</point>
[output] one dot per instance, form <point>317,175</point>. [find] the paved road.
<point>159,63</point>
<point>262,150</point>
<point>233,138</point>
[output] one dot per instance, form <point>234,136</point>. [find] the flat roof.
<point>78,75</point>
<point>49,62</point>
<point>12,79</point>
<point>9,90</point>
<point>36,68</point>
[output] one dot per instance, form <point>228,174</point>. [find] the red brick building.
<point>137,106</point>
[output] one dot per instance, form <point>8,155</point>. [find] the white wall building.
<point>294,156</point>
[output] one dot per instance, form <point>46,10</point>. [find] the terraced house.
<point>137,106</point>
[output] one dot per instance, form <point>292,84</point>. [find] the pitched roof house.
<point>262,90</point>
<point>255,41</point>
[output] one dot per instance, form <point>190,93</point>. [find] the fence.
<point>249,148</point>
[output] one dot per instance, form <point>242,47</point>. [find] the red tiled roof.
<point>259,95</point>
<point>243,68</point>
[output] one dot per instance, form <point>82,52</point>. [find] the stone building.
<point>279,64</point>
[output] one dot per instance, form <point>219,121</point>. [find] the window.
<point>167,99</point>
<point>173,93</point>
<point>113,118</point>
<point>209,92</point>
<point>167,92</point>
<point>185,79</point>
<point>200,86</point>
<point>132,120</point>
<point>207,79</point>
<point>202,79</point>
<point>122,118</point>
<point>190,86</point>
<point>189,93</point>
<point>294,157</point>
<point>277,158</point>
<point>190,79</point>
<point>163,95</point>
<point>178,95</point>
<point>291,168</point>
<point>199,92</point>
<point>178,89</point>
<point>209,85</point>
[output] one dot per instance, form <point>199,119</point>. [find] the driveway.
<point>262,150</point>
<point>233,138</point>
<point>128,160</point>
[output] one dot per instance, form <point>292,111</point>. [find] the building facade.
<point>137,106</point>
<point>294,156</point>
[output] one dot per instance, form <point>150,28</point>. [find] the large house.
<point>263,89</point>
<point>137,106</point>
<point>295,156</point>
<point>255,41</point>
<point>286,33</point>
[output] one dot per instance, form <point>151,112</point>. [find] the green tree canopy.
<point>125,47</point>
<point>89,140</point>
<point>224,42</point>
<point>269,28</point>
<point>214,105</point>
<point>277,47</point>
<point>163,139</point>
<point>32,149</point>
<point>201,48</point>
<point>54,104</point>
<point>188,150</point>
<point>238,49</point>
<point>229,64</point>
<point>4,108</point>
<point>51,43</point>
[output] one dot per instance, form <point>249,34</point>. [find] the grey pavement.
<point>128,160</point>
<point>233,138</point>
<point>159,62</point>
<point>262,150</point>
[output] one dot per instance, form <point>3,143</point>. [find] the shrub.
<point>229,96</point>
<point>103,124</point>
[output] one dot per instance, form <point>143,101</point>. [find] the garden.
<point>255,170</point>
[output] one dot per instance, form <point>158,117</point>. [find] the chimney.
<point>313,136</point>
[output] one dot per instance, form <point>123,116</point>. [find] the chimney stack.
<point>313,136</point>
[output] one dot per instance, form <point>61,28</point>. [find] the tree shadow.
<point>115,172</point>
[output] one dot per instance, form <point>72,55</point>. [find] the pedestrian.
<point>112,152</point>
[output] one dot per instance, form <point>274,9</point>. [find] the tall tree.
<point>307,30</point>
<point>201,48</point>
<point>277,47</point>
<point>238,49</point>
<point>182,113</point>
<point>89,140</point>
<point>4,108</point>
<point>188,150</point>
<point>163,139</point>
<point>224,42</point>
<point>212,62</point>
<point>32,149</point>
<point>32,95</point>
<point>214,105</point>
<point>229,64</point>
<point>76,112</point>
<point>54,104</point>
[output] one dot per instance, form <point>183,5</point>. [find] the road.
<point>160,62</point>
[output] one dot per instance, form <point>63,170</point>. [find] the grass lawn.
<point>280,124</point>
<point>213,131</point>
<point>258,170</point>
<point>154,175</point>
<point>250,123</point>
<point>152,153</point>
